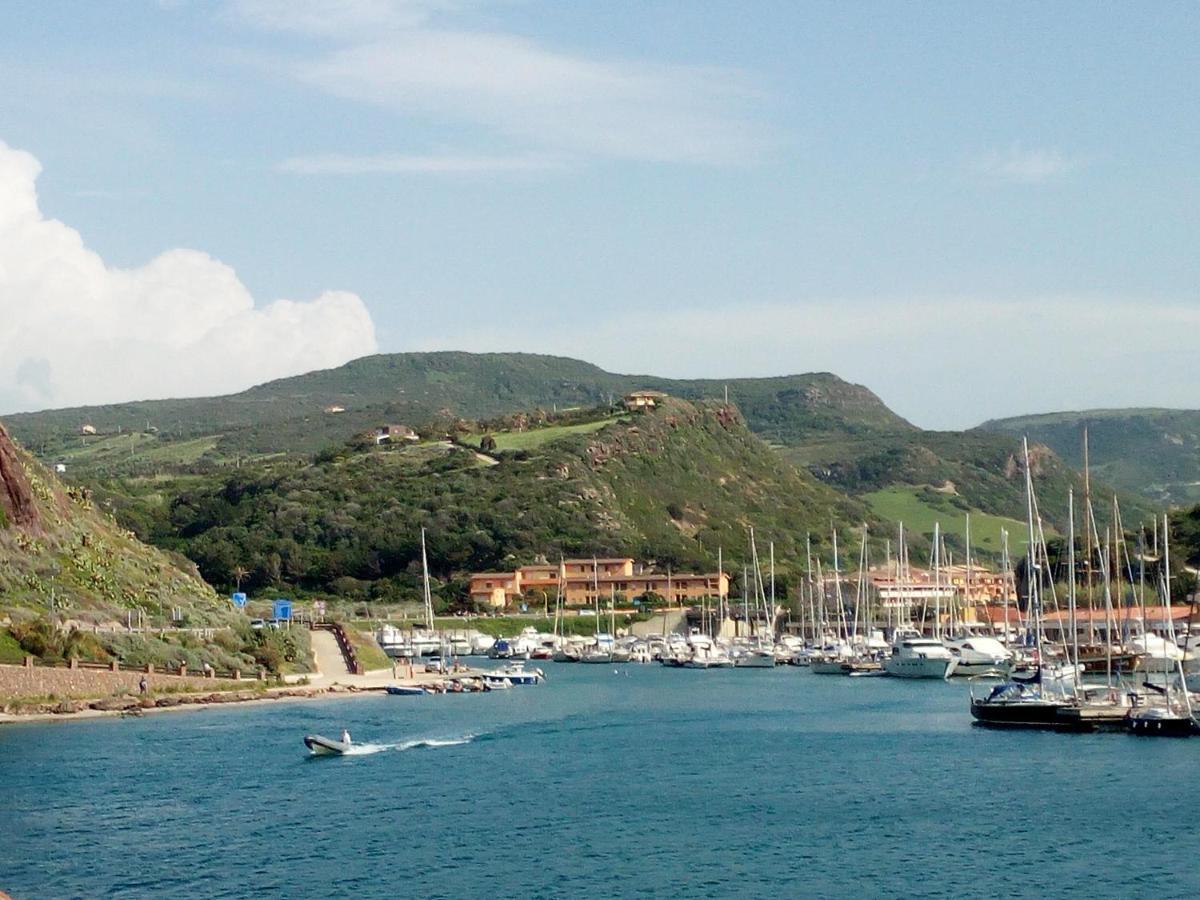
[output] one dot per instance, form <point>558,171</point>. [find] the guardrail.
<point>180,670</point>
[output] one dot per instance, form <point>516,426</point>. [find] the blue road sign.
<point>283,609</point>
<point>239,599</point>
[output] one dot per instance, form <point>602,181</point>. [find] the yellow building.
<point>643,399</point>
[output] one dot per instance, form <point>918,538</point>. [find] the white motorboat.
<point>914,656</point>
<point>323,746</point>
<point>516,674</point>
<point>753,657</point>
<point>978,655</point>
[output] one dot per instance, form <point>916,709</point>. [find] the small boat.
<point>406,690</point>
<point>515,674</point>
<point>323,746</point>
<point>494,683</point>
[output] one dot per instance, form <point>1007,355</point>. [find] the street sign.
<point>318,607</point>
<point>283,609</point>
<point>239,599</point>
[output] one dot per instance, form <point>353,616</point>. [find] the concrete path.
<point>327,655</point>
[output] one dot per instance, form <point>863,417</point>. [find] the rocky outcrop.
<point>17,506</point>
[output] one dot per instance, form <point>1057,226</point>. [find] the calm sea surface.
<point>651,782</point>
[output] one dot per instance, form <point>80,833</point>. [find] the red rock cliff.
<point>16,497</point>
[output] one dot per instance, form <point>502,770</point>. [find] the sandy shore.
<point>338,685</point>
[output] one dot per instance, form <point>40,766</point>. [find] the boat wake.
<point>435,742</point>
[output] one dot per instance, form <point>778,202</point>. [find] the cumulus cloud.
<point>941,362</point>
<point>1021,166</point>
<point>401,56</point>
<point>74,330</point>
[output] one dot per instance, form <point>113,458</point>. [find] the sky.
<point>974,210</point>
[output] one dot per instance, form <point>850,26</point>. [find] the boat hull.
<point>912,667</point>
<point>1024,713</point>
<point>323,746</point>
<point>1162,724</point>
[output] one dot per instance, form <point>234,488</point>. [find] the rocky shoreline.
<point>69,709</point>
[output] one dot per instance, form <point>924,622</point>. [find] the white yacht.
<point>978,655</point>
<point>914,656</point>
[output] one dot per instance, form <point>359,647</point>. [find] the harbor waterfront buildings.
<point>584,582</point>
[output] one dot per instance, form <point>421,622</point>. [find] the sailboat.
<point>1175,717</point>
<point>916,656</point>
<point>1040,702</point>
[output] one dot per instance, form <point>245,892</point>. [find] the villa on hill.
<point>637,400</point>
<point>585,581</point>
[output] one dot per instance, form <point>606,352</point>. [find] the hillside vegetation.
<point>1153,452</point>
<point>841,433</point>
<point>668,487</point>
<point>58,551</point>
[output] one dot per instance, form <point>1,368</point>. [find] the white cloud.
<point>76,331</point>
<point>942,362</point>
<point>397,164</point>
<point>1021,166</point>
<point>394,56</point>
<point>337,17</point>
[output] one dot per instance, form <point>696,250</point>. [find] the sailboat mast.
<point>1035,613</point>
<point>837,587</point>
<point>1087,540</point>
<point>425,584</point>
<point>808,572</point>
<point>1005,568</point>
<point>1071,575</point>
<point>771,612</point>
<point>937,580</point>
<point>1166,532</point>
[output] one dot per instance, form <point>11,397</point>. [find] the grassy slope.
<point>921,508</point>
<point>535,437</point>
<point>1155,452</point>
<point>89,566</point>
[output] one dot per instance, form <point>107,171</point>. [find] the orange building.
<point>585,581</point>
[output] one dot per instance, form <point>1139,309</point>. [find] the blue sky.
<point>974,210</point>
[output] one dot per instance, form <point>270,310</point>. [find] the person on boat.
<point>346,736</point>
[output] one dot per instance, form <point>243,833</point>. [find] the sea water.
<point>625,781</point>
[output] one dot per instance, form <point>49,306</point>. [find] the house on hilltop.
<point>386,434</point>
<point>636,400</point>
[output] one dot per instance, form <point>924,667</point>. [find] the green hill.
<point>288,415</point>
<point>1152,452</point>
<point>669,487</point>
<point>58,551</point>
<point>840,433</point>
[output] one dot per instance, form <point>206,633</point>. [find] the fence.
<point>181,670</point>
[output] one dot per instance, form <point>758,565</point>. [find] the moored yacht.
<point>978,655</point>
<point>914,656</point>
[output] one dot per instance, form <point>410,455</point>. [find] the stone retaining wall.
<point>41,681</point>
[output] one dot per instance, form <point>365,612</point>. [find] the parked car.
<point>436,664</point>
<point>257,624</point>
